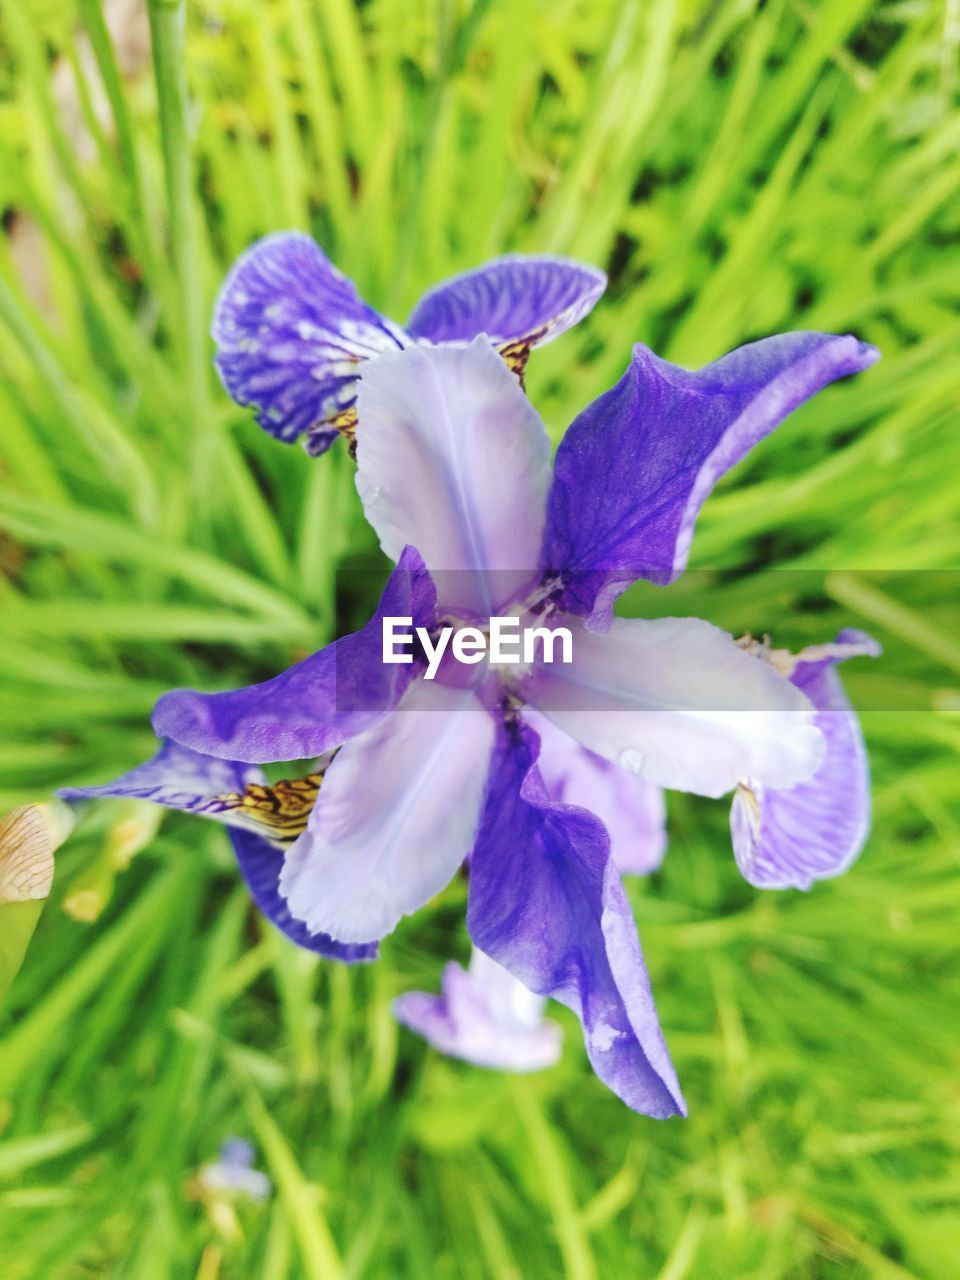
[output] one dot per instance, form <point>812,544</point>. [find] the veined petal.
<point>454,460</point>
<point>518,301</point>
<point>676,701</point>
<point>547,904</point>
<point>235,794</point>
<point>224,790</point>
<point>397,816</point>
<point>790,838</point>
<point>631,808</point>
<point>484,1015</point>
<point>316,705</point>
<point>176,778</point>
<point>636,466</point>
<point>29,837</point>
<point>291,332</point>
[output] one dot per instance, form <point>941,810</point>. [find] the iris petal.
<point>790,838</point>
<point>316,705</point>
<point>547,904</point>
<point>636,466</point>
<point>631,808</point>
<point>179,778</point>
<point>291,332</point>
<point>485,1016</point>
<point>676,701</point>
<point>261,864</point>
<point>396,817</point>
<point>518,301</point>
<point>454,460</point>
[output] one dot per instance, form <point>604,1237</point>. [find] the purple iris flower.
<point>484,1015</point>
<point>233,1173</point>
<point>293,333</point>
<point>419,775</point>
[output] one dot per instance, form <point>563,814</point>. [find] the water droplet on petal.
<point>631,759</point>
<point>374,493</point>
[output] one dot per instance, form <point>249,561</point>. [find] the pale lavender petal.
<point>291,332</point>
<point>453,459</point>
<point>631,808</point>
<point>790,838</point>
<point>676,701</point>
<point>396,816</point>
<point>547,904</point>
<point>516,299</point>
<point>485,1016</point>
<point>636,466</point>
<point>316,705</point>
<point>179,778</point>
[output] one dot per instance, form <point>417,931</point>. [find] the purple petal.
<point>176,778</point>
<point>290,332</point>
<point>453,459</point>
<point>789,838</point>
<point>179,778</point>
<point>260,864</point>
<point>316,705</point>
<point>636,466</point>
<point>485,1016</point>
<point>678,702</point>
<point>396,816</point>
<point>517,299</point>
<point>547,904</point>
<point>631,808</point>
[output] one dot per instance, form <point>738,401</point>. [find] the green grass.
<point>740,169</point>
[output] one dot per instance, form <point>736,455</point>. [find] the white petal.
<point>396,816</point>
<point>675,701</point>
<point>453,460</point>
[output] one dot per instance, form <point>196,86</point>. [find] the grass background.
<point>740,168</point>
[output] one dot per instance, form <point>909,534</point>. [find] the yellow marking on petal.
<point>752,802</point>
<point>279,813</point>
<point>346,423</point>
<point>516,354</point>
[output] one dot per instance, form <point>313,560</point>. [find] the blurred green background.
<point>739,168</point>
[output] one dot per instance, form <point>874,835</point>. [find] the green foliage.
<point>740,168</point>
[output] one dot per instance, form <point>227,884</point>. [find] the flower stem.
<point>574,1246</point>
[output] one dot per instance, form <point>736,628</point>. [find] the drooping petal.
<point>636,466</point>
<point>291,332</point>
<point>396,816</point>
<point>790,838</point>
<point>676,701</point>
<point>631,808</point>
<point>316,705</point>
<point>517,301</point>
<point>484,1015</point>
<point>454,460</point>
<point>547,904</point>
<point>179,778</point>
